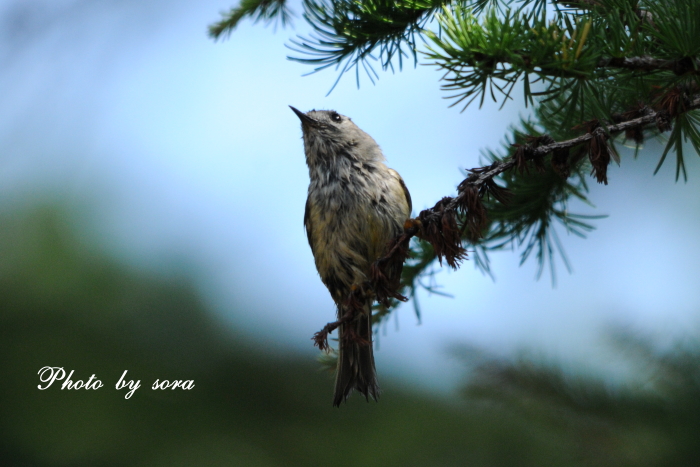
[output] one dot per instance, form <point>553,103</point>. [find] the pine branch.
<point>649,64</point>
<point>580,3</point>
<point>346,33</point>
<point>644,63</point>
<point>642,14</point>
<point>266,10</point>
<point>438,224</point>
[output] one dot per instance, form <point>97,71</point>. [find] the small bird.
<point>355,206</point>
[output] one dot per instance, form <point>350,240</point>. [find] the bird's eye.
<point>335,117</point>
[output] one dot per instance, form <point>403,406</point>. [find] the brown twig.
<point>580,3</point>
<point>679,67</point>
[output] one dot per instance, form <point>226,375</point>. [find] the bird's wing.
<point>307,225</point>
<point>405,190</point>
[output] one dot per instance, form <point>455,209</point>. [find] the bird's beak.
<point>305,119</point>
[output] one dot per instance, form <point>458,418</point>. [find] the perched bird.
<point>355,206</point>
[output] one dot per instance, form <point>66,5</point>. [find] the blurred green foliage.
<point>63,303</point>
<point>653,423</point>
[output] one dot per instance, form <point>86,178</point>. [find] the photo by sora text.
<point>52,374</point>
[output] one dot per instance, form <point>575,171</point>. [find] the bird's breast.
<point>351,218</point>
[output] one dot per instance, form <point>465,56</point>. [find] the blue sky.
<point>183,151</point>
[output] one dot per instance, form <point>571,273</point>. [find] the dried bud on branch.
<point>472,209</point>
<point>523,154</point>
<point>673,102</point>
<point>599,155</point>
<point>441,230</point>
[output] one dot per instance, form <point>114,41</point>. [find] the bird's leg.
<point>353,306</point>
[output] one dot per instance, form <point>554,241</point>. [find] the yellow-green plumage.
<point>355,206</point>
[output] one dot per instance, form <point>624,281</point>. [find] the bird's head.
<point>327,133</point>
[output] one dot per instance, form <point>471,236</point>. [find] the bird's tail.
<point>356,359</point>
